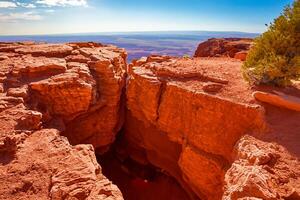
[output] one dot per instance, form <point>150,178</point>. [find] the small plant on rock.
<point>186,56</point>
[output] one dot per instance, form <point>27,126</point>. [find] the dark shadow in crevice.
<point>137,181</point>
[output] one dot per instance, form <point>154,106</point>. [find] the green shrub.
<point>275,57</point>
<point>186,56</point>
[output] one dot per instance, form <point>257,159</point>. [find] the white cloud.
<point>26,5</point>
<point>62,2</point>
<point>29,5</point>
<point>49,11</point>
<point>13,17</point>
<point>7,4</point>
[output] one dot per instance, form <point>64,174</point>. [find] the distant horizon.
<point>138,44</point>
<point>131,32</point>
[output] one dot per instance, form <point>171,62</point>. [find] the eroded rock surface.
<point>78,84</point>
<point>46,166</point>
<point>262,170</point>
<point>186,116</point>
<point>185,126</point>
<point>228,47</point>
<point>43,93</point>
<point>193,119</point>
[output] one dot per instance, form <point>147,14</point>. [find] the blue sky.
<point>81,16</point>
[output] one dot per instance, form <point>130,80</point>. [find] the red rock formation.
<point>186,115</point>
<point>194,119</point>
<point>103,120</point>
<point>228,47</point>
<point>79,84</point>
<point>42,87</point>
<point>261,171</point>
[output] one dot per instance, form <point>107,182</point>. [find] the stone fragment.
<point>279,99</point>
<point>212,87</point>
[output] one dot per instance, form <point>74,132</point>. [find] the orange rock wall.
<point>189,134</point>
<point>77,87</point>
<point>44,90</point>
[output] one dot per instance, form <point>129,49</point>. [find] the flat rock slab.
<point>279,99</point>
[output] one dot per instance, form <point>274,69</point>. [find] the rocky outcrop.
<point>77,86</point>
<point>38,163</point>
<point>186,116</point>
<point>196,120</point>
<point>49,90</point>
<point>45,166</point>
<point>261,171</point>
<point>224,47</point>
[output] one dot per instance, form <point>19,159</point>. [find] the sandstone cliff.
<point>52,89</point>
<point>188,115</point>
<point>195,119</point>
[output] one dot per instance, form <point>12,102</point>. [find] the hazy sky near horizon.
<point>82,16</point>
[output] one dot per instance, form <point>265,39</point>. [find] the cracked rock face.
<point>45,90</point>
<point>169,96</point>
<point>186,116</point>
<point>78,84</point>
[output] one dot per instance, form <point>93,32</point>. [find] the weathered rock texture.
<point>186,116</point>
<point>77,86</point>
<point>47,90</point>
<point>262,170</point>
<point>194,119</point>
<point>228,47</point>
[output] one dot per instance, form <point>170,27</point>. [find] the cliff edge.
<point>50,90</point>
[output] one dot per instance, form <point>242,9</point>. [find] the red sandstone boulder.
<point>228,47</point>
<point>262,170</point>
<point>242,55</point>
<point>45,166</point>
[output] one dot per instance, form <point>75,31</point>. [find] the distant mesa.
<point>225,47</point>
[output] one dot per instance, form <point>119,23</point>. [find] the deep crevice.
<point>138,181</point>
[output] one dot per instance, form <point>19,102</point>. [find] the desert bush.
<point>186,56</point>
<point>275,57</point>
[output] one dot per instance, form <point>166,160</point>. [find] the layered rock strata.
<point>52,89</point>
<point>76,86</point>
<point>186,116</point>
